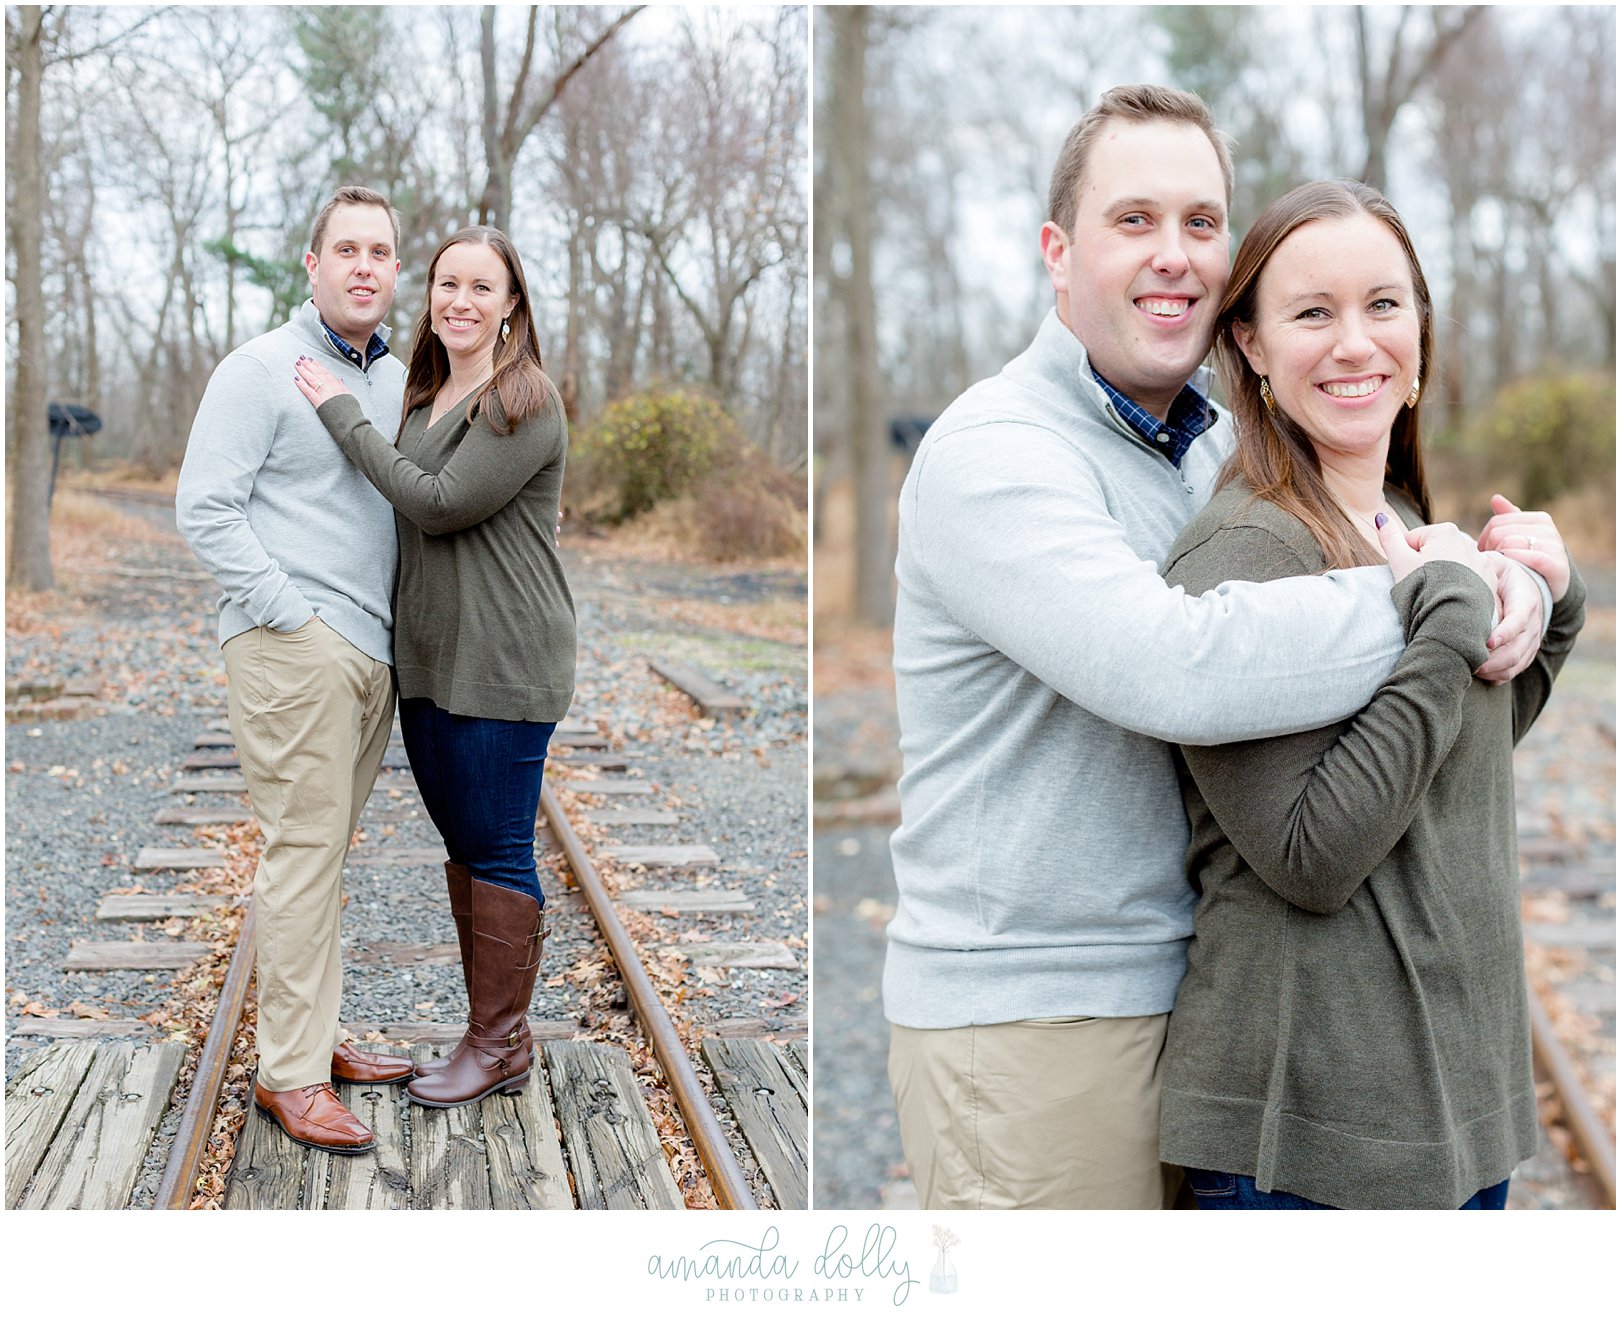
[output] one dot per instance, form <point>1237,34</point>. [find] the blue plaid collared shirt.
<point>375,347</point>
<point>1190,417</point>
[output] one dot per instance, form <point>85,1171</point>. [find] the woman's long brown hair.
<point>519,384</point>
<point>1272,453</point>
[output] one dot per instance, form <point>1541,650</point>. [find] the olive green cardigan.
<point>1353,1027</point>
<point>483,618</point>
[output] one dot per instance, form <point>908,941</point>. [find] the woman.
<point>1353,1028</point>
<point>483,622</point>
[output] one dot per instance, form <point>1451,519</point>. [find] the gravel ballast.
<point>81,797</point>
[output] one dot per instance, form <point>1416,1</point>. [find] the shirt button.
<point>1165,437</point>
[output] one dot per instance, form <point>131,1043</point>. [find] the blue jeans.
<point>1229,1190</point>
<point>480,781</point>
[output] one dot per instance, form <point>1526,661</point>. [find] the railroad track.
<point>1567,862</point>
<point>608,1152</point>
<point>646,1093</point>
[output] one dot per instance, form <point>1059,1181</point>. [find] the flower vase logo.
<point>943,1276</point>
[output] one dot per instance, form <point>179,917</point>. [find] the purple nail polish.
<point>1379,520</point>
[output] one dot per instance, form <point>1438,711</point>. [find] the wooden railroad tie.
<point>74,1028</point>
<point>211,760</point>
<point>502,1153</point>
<point>679,854</point>
<point>153,955</point>
<point>766,1087</point>
<point>388,857</point>
<point>1594,936</point>
<point>221,728</point>
<point>80,1117</point>
<point>721,901</point>
<point>608,760</point>
<point>754,1028</point>
<point>159,906</point>
<point>190,784</point>
<point>592,741</point>
<point>605,787</point>
<point>634,816</point>
<point>194,783</point>
<point>1572,881</point>
<point>396,856</point>
<point>227,759</point>
<point>195,815</point>
<point>54,700</point>
<point>178,858</point>
<point>709,696</point>
<point>1536,849</point>
<point>763,956</point>
<point>614,1150</point>
<point>218,735</point>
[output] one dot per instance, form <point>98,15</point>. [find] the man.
<point>304,549</point>
<point>1039,657</point>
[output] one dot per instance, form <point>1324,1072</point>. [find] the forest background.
<point>1492,129</point>
<point>164,166</point>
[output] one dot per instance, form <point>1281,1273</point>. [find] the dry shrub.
<point>750,510</point>
<point>1548,436</point>
<point>670,465</point>
<point>648,447</point>
<point>128,476</point>
<point>78,514</point>
<point>1463,481</point>
<point>1586,521</point>
<point>746,510</point>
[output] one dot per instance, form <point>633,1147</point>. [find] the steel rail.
<point>1594,1139</point>
<point>197,1121</point>
<point>730,1184</point>
<point>725,1175</point>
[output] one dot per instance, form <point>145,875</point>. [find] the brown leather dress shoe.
<point>314,1116</point>
<point>351,1064</point>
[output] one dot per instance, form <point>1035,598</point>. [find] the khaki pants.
<point>311,716</point>
<point>1055,1114</point>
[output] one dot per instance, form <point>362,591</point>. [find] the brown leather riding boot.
<point>508,934</point>
<point>459,882</point>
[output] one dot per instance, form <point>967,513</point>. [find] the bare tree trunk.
<point>1453,367</point>
<point>638,314</point>
<point>504,136</point>
<point>92,354</point>
<point>29,565</point>
<point>874,594</point>
<point>571,335</point>
<point>782,394</point>
<point>495,205</point>
<point>1409,66</point>
<point>660,338</point>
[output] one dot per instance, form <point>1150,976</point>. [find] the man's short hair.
<point>353,196</point>
<point>1137,103</point>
